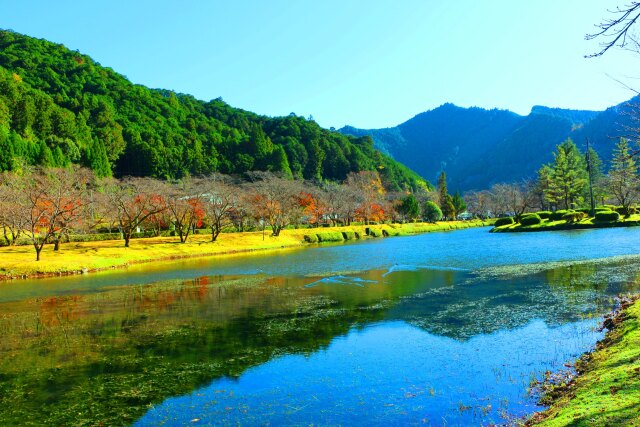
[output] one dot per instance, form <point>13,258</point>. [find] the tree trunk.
<point>15,235</point>
<point>127,238</point>
<point>56,244</point>
<point>38,250</point>
<point>6,237</point>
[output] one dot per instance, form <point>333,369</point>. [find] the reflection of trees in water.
<point>114,353</point>
<point>486,305</point>
<point>575,277</point>
<point>109,355</point>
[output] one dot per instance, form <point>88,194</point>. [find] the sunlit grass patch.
<point>607,393</point>
<point>82,257</point>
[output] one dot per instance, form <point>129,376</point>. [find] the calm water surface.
<point>436,329</point>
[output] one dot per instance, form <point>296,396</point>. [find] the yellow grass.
<point>19,261</point>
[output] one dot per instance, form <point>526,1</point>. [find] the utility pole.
<point>592,212</point>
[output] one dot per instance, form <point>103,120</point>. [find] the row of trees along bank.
<point>563,185</point>
<point>55,205</point>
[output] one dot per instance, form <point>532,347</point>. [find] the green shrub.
<point>390,232</point>
<point>504,221</point>
<point>431,212</point>
<point>330,236</point>
<point>311,238</point>
<point>601,208</point>
<point>373,232</point>
<point>607,216</point>
<point>557,215</point>
<point>572,217</point>
<point>626,212</point>
<point>544,214</point>
<point>349,235</point>
<point>531,219</point>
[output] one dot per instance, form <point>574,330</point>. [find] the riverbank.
<point>607,388</point>
<point>586,224</point>
<point>86,257</point>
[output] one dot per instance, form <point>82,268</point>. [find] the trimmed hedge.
<point>531,219</point>
<point>390,232</point>
<point>557,215</point>
<point>373,232</point>
<point>311,238</point>
<point>544,214</point>
<point>330,236</point>
<point>349,235</point>
<point>572,217</point>
<point>504,221</point>
<point>607,216</point>
<point>626,212</point>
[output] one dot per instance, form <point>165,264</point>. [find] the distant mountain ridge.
<point>479,147</point>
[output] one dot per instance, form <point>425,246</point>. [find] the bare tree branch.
<point>616,31</point>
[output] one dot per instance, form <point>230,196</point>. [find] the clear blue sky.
<point>368,63</point>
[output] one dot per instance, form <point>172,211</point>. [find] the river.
<point>435,329</point>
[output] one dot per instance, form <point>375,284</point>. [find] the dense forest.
<point>59,107</point>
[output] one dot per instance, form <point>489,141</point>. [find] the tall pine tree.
<point>623,181</point>
<point>569,176</point>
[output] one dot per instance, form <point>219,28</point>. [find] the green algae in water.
<point>85,358</point>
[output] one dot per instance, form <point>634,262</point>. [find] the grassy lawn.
<point>19,261</point>
<point>548,225</point>
<point>607,393</point>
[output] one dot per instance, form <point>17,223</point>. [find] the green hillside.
<point>58,106</point>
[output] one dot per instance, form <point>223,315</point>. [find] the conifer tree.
<point>569,177</point>
<point>623,181</point>
<point>458,203</point>
<point>445,199</point>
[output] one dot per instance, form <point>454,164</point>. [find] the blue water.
<point>409,330</point>
<point>464,249</point>
<point>387,374</point>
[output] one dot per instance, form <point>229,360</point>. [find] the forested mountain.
<point>478,147</point>
<point>58,106</point>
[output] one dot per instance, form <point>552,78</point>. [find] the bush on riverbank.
<point>626,212</point>
<point>504,221</point>
<point>572,217</point>
<point>557,215</point>
<point>350,235</point>
<point>607,216</point>
<point>311,238</point>
<point>530,219</point>
<point>544,214</point>
<point>330,236</point>
<point>373,232</point>
<point>387,232</point>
